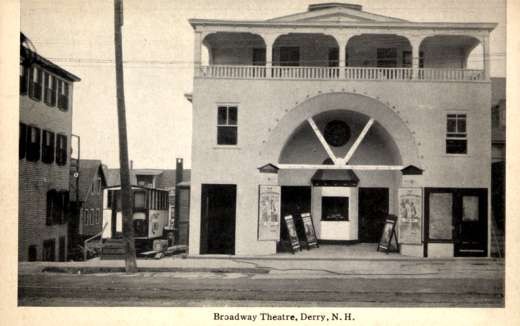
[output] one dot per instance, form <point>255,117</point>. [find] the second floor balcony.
<point>363,56</point>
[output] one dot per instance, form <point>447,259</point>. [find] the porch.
<point>345,56</point>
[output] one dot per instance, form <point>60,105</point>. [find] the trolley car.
<point>149,214</point>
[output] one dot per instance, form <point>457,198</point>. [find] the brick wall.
<point>36,178</point>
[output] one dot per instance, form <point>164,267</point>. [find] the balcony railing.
<point>337,73</point>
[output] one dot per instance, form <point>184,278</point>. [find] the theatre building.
<point>346,115</point>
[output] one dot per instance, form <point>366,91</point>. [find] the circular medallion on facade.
<point>337,133</point>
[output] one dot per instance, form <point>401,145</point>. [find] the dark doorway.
<point>458,216</point>
<point>218,208</point>
<point>61,249</point>
<point>373,210</point>
<point>471,223</point>
<point>49,250</point>
<point>295,201</point>
<point>33,253</point>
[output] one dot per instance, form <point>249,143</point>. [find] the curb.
<point>97,270</point>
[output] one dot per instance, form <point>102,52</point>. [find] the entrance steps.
<point>113,249</point>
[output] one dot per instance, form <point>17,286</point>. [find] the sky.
<point>158,46</point>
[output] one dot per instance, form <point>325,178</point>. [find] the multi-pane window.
<point>139,199</point>
<point>23,79</point>
<point>61,150</point>
<point>63,95</point>
<point>32,143</point>
<point>50,89</point>
<point>57,207</point>
<point>386,57</point>
<point>35,85</point>
<point>456,135</point>
<point>227,125</point>
<point>47,147</point>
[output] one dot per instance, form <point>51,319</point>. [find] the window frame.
<point>24,79</point>
<point>456,135</point>
<point>47,152</point>
<point>61,149</point>
<point>36,87</point>
<point>49,89</point>
<point>33,147</point>
<point>62,96</point>
<point>227,125</point>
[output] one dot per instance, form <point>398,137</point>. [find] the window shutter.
<point>53,91</point>
<point>33,144</point>
<point>22,141</point>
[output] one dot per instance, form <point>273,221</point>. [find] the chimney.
<point>178,171</point>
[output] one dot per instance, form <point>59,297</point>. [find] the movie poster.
<point>410,216</point>
<point>269,213</point>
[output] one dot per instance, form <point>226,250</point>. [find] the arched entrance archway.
<point>386,119</point>
<point>377,144</point>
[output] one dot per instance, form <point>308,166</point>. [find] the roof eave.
<point>194,22</point>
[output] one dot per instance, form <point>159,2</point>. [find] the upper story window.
<point>32,143</point>
<point>407,59</point>
<point>333,57</point>
<point>50,89</point>
<point>61,150</point>
<point>227,125</point>
<point>289,56</point>
<point>47,147</point>
<point>57,207</point>
<point>24,79</point>
<point>139,199</point>
<point>456,134</point>
<point>259,56</point>
<point>387,57</point>
<point>63,95</point>
<point>35,84</point>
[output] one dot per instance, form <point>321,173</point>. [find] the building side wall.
<point>36,178</point>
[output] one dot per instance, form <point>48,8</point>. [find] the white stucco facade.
<point>409,104</point>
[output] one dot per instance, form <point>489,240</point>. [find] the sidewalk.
<point>280,268</point>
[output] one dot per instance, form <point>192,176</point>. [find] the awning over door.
<point>335,178</point>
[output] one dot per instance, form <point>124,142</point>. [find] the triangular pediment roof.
<point>335,12</point>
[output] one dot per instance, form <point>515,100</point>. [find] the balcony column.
<point>197,53</point>
<point>485,53</point>
<point>269,41</point>
<point>415,42</point>
<point>342,41</point>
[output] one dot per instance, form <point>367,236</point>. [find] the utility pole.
<point>126,195</point>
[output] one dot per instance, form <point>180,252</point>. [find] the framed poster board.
<point>310,232</point>
<point>291,231</point>
<point>410,215</point>
<point>269,213</point>
<point>388,234</point>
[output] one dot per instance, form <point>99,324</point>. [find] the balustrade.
<point>337,73</point>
